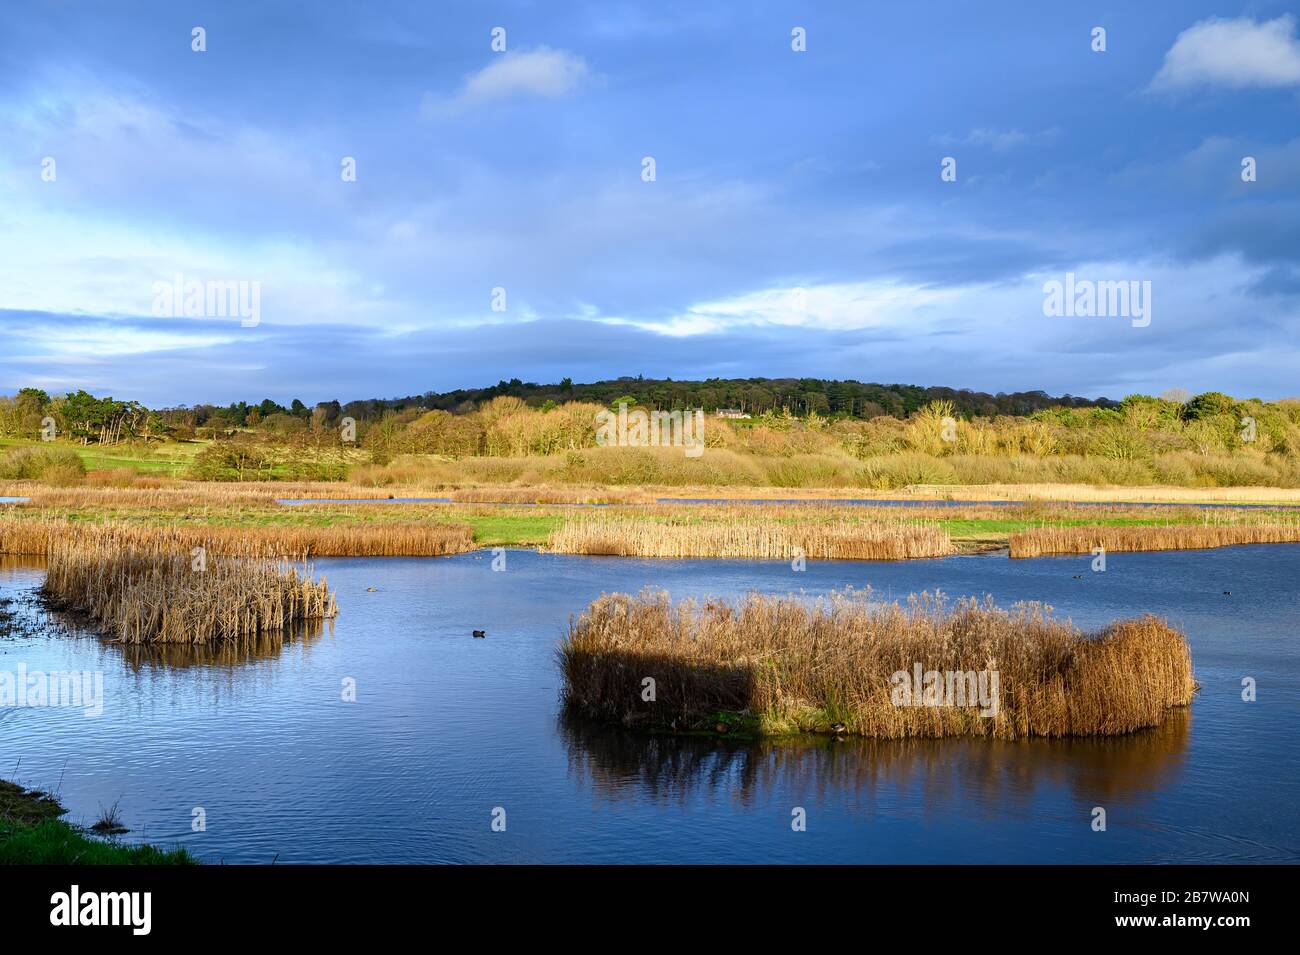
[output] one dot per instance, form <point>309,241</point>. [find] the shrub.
<point>53,465</point>
<point>902,470</point>
<point>232,461</point>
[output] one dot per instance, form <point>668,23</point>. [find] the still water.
<point>447,728</point>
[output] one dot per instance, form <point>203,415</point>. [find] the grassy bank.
<point>157,459</point>
<point>772,666</point>
<point>31,833</point>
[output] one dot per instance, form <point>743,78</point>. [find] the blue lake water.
<point>446,728</point>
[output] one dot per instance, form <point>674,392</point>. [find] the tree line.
<point>83,417</point>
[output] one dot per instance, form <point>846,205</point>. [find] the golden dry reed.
<point>1114,494</point>
<point>832,540</point>
<point>780,665</point>
<point>170,493</point>
<point>549,495</point>
<point>159,595</point>
<point>1082,540</point>
<point>39,537</point>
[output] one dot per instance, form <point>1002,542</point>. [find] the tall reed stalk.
<point>159,595</point>
<point>1082,540</point>
<point>785,665</point>
<point>39,537</point>
<point>833,540</point>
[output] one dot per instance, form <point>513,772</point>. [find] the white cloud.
<point>542,72</point>
<point>989,326</point>
<point>135,151</point>
<point>90,344</point>
<point>840,306</point>
<point>78,263</point>
<point>1232,53</point>
<point>145,191</point>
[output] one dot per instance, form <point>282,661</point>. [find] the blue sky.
<point>797,223</point>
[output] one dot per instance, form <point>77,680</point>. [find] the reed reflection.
<point>986,777</point>
<point>229,654</point>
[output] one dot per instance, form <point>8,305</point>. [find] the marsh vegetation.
<point>1083,540</point>
<point>157,594</point>
<point>779,665</point>
<point>691,536</point>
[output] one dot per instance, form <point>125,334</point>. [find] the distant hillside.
<point>850,398</point>
<point>94,419</point>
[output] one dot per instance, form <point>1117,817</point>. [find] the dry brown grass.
<point>154,594</point>
<point>548,495</point>
<point>40,537</point>
<point>173,494</point>
<point>1117,494</point>
<point>826,540</point>
<point>1082,540</point>
<point>786,665</point>
<point>170,492</point>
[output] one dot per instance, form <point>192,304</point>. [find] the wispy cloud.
<point>993,337</point>
<point>1236,54</point>
<point>775,170</point>
<point>998,139</point>
<point>838,306</point>
<point>543,72</point>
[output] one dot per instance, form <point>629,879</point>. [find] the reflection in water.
<point>992,777</point>
<point>451,725</point>
<point>140,656</point>
<point>21,562</point>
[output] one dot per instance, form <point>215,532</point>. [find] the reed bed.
<point>781,665</point>
<point>1115,494</point>
<point>819,511</point>
<point>549,495</point>
<point>1082,540</point>
<point>153,594</point>
<point>173,494</point>
<point>41,537</point>
<point>829,540</point>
